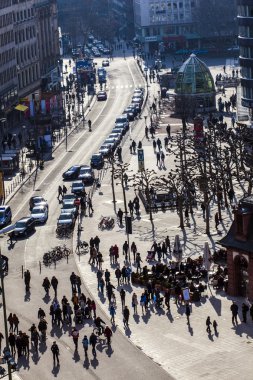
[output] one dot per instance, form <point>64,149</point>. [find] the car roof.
<point>2,208</point>
<point>25,219</point>
<point>77,183</point>
<point>37,197</point>
<point>38,207</point>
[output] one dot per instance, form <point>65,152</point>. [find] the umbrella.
<point>206,257</point>
<point>177,250</point>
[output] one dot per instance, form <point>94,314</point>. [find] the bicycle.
<point>98,331</point>
<point>84,246</point>
<point>106,223</point>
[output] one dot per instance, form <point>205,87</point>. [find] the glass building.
<point>194,89</point>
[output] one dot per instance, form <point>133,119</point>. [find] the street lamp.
<point>145,118</point>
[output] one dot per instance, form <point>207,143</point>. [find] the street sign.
<point>145,69</point>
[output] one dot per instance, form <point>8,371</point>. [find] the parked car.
<point>40,214</point>
<point>122,119</point>
<point>5,215</point>
<point>77,188</point>
<point>137,99</point>
<point>129,112</point>
<point>66,220</point>
<point>69,208</point>
<point>101,95</point>
<point>97,161</point>
<point>86,174</point>
<point>24,226</point>
<point>37,201</point>
<point>72,172</point>
<point>105,150</point>
<point>122,126</point>
<point>69,199</point>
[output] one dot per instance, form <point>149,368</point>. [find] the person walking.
<point>90,206</point>
<point>138,262</point>
<point>134,302</point>
<point>93,342</point>
<point>55,350</point>
<point>158,156</point>
<point>234,309</point>
<point>125,249</point>
<point>46,285</point>
<point>85,343</point>
<point>215,325</point>
<point>75,337</point>
<point>10,320</point>
<point>15,323</point>
<point>120,216</point>
<point>188,313</point>
<point>168,130</point>
<point>12,343</point>
<point>112,314</point>
<point>27,279</point>
<point>123,298</point>
<point>208,324</point>
<point>126,315</point>
<point>64,190</point>
<point>54,283</point>
<point>162,158</point>
<point>59,192</point>
<point>118,275</point>
<point>245,310</point>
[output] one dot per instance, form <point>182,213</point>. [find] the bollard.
<point>40,266</point>
<point>22,269</point>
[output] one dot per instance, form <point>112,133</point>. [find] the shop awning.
<point>21,108</point>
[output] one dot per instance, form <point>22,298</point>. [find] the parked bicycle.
<point>106,223</point>
<point>55,254</point>
<point>82,247</point>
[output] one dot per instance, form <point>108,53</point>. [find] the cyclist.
<point>98,322</point>
<point>108,334</point>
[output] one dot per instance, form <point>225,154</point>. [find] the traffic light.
<point>128,220</point>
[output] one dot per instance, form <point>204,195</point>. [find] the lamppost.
<point>145,118</point>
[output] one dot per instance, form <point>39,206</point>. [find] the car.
<point>134,109</point>
<point>37,201</point>
<point>122,126</point>
<point>138,92</point>
<point>86,174</point>
<point>106,51</point>
<point>66,220</point>
<point>77,187</point>
<point>101,95</point>
<point>72,172</point>
<point>97,161</point>
<point>118,130</point>
<point>40,214</point>
<point>122,119</point>
<point>96,53</point>
<point>69,207</point>
<point>129,112</point>
<point>24,226</point>
<point>106,150</point>
<point>137,106</point>
<point>5,215</point>
<point>69,199</point>
<point>111,141</point>
<point>105,62</point>
<point>115,136</point>
<point>137,99</point>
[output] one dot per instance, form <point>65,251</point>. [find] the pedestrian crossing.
<point>126,86</point>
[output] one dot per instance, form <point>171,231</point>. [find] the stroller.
<point>150,256</point>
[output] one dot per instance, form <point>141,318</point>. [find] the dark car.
<point>101,95</point>
<point>129,112</point>
<point>69,208</point>
<point>77,188</point>
<point>66,220</point>
<point>72,172</point>
<point>5,215</point>
<point>37,201</point>
<point>24,226</point>
<point>86,174</point>
<point>97,161</point>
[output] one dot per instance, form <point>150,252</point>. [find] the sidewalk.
<point>185,352</point>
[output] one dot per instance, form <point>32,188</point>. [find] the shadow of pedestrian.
<point>210,336</point>
<point>136,317</point>
<point>46,298</point>
<point>146,317</point>
<point>94,362</point>
<point>11,245</point>
<point>35,357</point>
<point>55,370</point>
<point>27,296</point>
<point>42,347</point>
<point>102,297</point>
<point>128,332</point>
<point>76,356</point>
<point>190,329</point>
<point>170,318</point>
<point>109,351</point>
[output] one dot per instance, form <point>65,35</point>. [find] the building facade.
<point>245,42</point>
<point>8,73</point>
<point>160,23</point>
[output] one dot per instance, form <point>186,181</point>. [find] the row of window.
<point>6,20</point>
<point>7,75</point>
<point>246,52</point>
<point>23,15</point>
<point>245,10</point>
<point>28,76</point>
<point>246,31</point>
<point>247,92</point>
<point>6,38</point>
<point>26,53</point>
<point>7,56</point>
<point>25,34</point>
<point>169,18</point>
<point>172,29</point>
<point>5,3</point>
<point>247,72</point>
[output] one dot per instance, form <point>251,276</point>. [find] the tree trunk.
<point>206,203</point>
<point>180,211</point>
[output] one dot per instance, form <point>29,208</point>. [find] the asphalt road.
<point>123,360</point>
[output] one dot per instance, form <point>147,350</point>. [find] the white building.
<point>164,23</point>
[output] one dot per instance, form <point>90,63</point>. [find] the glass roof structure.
<point>194,77</point>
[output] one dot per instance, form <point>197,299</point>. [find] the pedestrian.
<point>123,298</point>
<point>134,302</point>
<point>27,279</point>
<point>139,145</point>
<point>146,132</point>
<point>125,249</point>
<point>162,158</point>
<point>75,336</point>
<point>46,285</point>
<point>245,310</point>
<point>41,313</point>
<point>59,192</point>
<point>35,339</point>
<point>159,144</point>
<point>188,313</point>
<point>93,342</point>
<point>224,69</point>
<point>234,309</point>
<point>64,190</point>
<point>91,211</point>
<point>55,351</point>
<point>168,129</point>
<point>118,275</point>
<point>120,216</point>
<point>166,143</point>
<point>131,207</point>
<point>72,279</point>
<point>10,320</point>
<point>215,325</point>
<point>158,158</point>
<point>208,324</point>
<point>154,145</point>
<point>133,249</point>
<point>126,315</point>
<point>93,308</point>
<point>138,262</point>
<point>96,242</point>
<point>15,323</point>
<point>54,283</point>
<point>78,284</point>
<point>85,343</point>
<point>134,146</point>
<point>112,313</point>
<point>107,276</point>
<point>167,242</point>
<point>12,343</point>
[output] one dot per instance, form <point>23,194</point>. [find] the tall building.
<point>245,41</point>
<point>8,74</point>
<point>161,22</point>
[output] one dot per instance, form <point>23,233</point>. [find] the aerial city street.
<point>126,214</point>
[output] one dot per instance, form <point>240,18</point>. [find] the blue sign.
<point>140,155</point>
